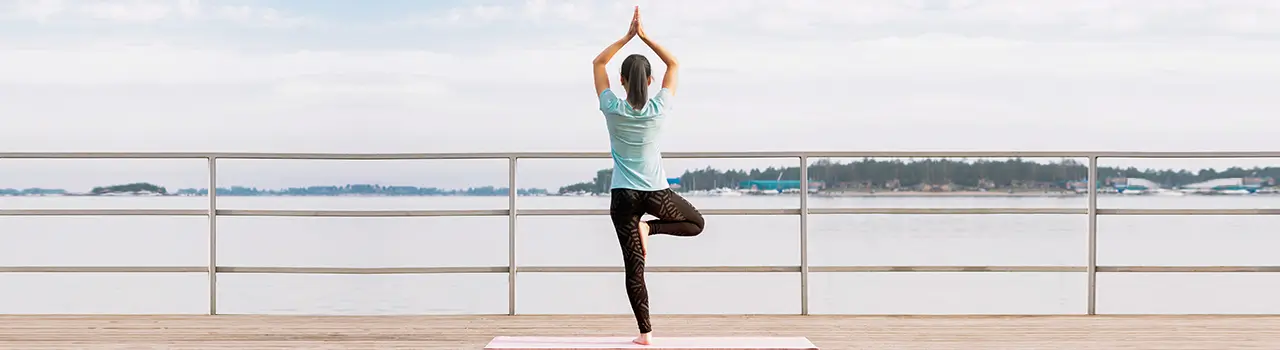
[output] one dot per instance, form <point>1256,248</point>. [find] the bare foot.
<point>643,339</point>
<point>644,238</point>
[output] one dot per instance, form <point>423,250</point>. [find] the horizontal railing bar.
<point>497,269</point>
<point>582,212</point>
<point>653,269</point>
<point>103,269</point>
<point>648,269</point>
<point>277,156</point>
<point>103,212</point>
<point>362,213</point>
<point>571,155</point>
<point>1188,211</point>
<point>363,270</point>
<point>949,211</point>
<point>947,269</point>
<point>104,155</point>
<point>1188,268</point>
<point>587,212</point>
<point>672,155</point>
<point>617,269</point>
<point>560,212</point>
<point>1043,154</point>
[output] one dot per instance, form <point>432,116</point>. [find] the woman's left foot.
<point>644,339</point>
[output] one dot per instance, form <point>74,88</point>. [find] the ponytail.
<point>635,70</point>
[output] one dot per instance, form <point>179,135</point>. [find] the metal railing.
<point>512,212</point>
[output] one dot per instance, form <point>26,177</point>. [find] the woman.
<point>639,183</point>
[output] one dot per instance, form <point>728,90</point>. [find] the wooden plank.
<point>669,343</point>
<point>473,332</point>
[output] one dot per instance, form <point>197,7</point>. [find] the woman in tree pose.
<point>639,183</point>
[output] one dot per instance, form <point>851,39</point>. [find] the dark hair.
<point>635,70</point>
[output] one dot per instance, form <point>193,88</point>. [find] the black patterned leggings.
<point>675,216</point>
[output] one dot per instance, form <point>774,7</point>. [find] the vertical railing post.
<point>213,235</point>
<point>1092,269</point>
<point>804,235</point>
<point>511,236</point>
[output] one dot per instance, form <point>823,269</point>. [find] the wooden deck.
<point>472,332</point>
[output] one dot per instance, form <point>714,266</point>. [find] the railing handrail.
<point>685,155</point>
<point>513,212</point>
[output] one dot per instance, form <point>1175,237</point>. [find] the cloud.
<point>480,14</point>
<point>145,11</point>
<point>512,75</point>
<point>946,51</point>
<point>257,15</point>
<point>165,64</point>
<point>856,19</point>
<point>936,56</point>
<point>384,88</point>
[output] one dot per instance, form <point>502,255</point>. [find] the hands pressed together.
<point>637,29</point>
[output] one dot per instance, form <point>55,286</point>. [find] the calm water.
<point>568,241</point>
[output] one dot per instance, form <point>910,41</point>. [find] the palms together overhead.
<point>636,28</point>
<point>601,77</point>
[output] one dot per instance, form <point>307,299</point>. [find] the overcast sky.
<point>497,76</point>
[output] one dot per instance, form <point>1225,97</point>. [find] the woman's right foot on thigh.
<point>644,238</point>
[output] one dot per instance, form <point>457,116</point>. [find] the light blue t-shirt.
<point>633,140</point>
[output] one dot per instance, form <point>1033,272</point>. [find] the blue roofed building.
<point>778,185</point>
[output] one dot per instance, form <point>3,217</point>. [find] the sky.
<point>513,75</point>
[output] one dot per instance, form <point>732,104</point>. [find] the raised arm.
<point>672,77</point>
<point>598,65</point>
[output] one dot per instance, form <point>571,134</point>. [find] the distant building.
<point>1133,185</point>
<point>1081,186</point>
<point>776,185</point>
<point>1235,184</point>
<point>673,182</point>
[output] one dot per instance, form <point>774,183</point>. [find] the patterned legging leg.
<point>675,216</point>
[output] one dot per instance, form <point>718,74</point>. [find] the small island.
<point>133,189</point>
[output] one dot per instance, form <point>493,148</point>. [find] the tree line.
<point>897,173</point>
<point>129,188</point>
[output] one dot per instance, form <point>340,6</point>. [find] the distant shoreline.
<point>1002,194</point>
<point>947,194</point>
<point>825,194</point>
